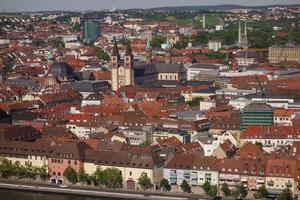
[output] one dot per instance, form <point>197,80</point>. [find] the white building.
<point>195,169</point>
<point>214,45</point>
<point>271,137</point>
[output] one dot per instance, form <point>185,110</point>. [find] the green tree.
<point>285,195</point>
<point>113,178</point>
<point>38,42</point>
<point>206,187</point>
<point>77,27</point>
<point>70,174</point>
<point>185,187</point>
<point>225,189</point>
<point>101,54</point>
<point>99,174</point>
<point>213,191</point>
<point>82,176</point>
<point>195,101</point>
<point>240,191</point>
<point>9,67</point>
<point>259,144</point>
<point>261,193</point>
<point>164,183</point>
<point>6,168</point>
<point>157,41</point>
<point>42,172</point>
<point>144,181</point>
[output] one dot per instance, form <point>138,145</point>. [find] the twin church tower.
<point>121,69</point>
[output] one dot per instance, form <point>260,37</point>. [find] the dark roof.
<point>61,69</point>
<point>258,107</point>
<point>205,66</point>
<point>69,150</point>
<point>86,75</point>
<point>87,86</point>
<point>169,68</point>
<point>39,147</point>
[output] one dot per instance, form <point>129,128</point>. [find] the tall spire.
<point>128,50</point>
<point>116,50</point>
<point>148,52</point>
<point>245,35</point>
<point>240,34</point>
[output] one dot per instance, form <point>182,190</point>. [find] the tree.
<point>156,42</point>
<point>164,183</point>
<point>70,174</point>
<point>99,174</point>
<point>82,176</point>
<point>261,193</point>
<point>195,101</point>
<point>259,144</point>
<point>225,189</point>
<point>144,181</point>
<point>77,27</point>
<point>240,191</point>
<point>213,191</point>
<point>6,168</point>
<point>206,186</point>
<point>185,187</point>
<point>101,54</point>
<point>285,195</point>
<point>112,178</point>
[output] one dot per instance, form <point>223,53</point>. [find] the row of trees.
<point>10,169</point>
<point>110,177</point>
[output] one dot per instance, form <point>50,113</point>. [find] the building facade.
<point>279,54</point>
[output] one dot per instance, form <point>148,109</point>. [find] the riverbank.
<point>93,192</point>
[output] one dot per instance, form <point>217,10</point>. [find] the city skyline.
<point>79,5</point>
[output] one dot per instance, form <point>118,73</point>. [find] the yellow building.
<point>35,153</point>
<point>131,163</point>
<point>284,53</point>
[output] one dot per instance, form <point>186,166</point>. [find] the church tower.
<point>115,59</point>
<point>168,58</point>
<point>128,65</point>
<point>121,71</point>
<point>148,53</point>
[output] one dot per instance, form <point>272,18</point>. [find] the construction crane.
<point>262,90</point>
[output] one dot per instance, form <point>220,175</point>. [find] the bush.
<point>225,189</point>
<point>164,183</point>
<point>185,187</point>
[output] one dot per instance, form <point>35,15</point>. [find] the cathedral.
<point>121,69</point>
<point>127,72</point>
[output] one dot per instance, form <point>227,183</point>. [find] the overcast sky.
<point>77,5</point>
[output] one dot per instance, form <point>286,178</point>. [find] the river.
<point>6,194</point>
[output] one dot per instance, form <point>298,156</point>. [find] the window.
<point>75,162</point>
<point>130,173</point>
<point>69,162</point>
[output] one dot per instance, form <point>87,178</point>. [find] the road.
<point>86,192</point>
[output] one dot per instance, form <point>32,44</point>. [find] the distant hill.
<point>218,7</point>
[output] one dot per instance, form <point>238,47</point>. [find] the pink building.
<point>63,156</point>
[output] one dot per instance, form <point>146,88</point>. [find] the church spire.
<point>148,52</point>
<point>128,50</point>
<point>116,50</point>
